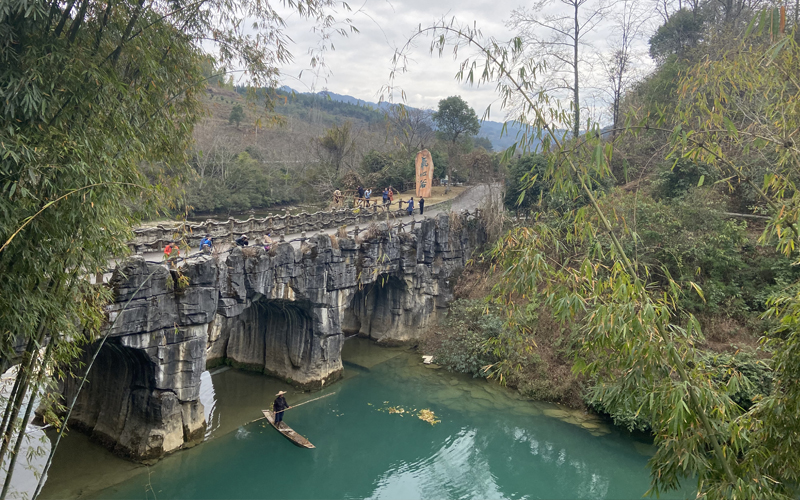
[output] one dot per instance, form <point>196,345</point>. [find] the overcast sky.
<point>360,65</point>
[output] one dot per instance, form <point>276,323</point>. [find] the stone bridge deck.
<point>284,313</point>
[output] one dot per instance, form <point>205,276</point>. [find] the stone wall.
<point>153,239</point>
<point>283,313</point>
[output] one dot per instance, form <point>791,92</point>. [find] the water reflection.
<point>209,401</point>
<point>489,444</point>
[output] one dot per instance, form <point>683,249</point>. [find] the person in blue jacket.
<point>410,208</point>
<point>206,243</point>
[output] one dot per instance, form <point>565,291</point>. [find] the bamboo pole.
<point>305,402</point>
<point>292,407</point>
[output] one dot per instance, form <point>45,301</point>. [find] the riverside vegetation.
<point>636,280</point>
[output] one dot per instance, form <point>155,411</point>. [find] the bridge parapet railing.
<point>396,227</point>
<point>154,239</point>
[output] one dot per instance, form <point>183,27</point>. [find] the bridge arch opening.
<point>278,338</point>
<point>387,309</point>
<point>121,398</point>
<point>119,375</point>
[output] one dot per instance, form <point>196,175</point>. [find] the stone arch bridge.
<point>284,313</point>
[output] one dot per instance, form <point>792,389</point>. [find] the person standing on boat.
<point>279,406</point>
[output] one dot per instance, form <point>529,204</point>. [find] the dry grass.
<point>216,253</point>
<point>456,223</point>
<point>405,237</point>
<point>493,214</point>
<point>475,282</point>
<point>250,251</point>
<point>726,334</point>
<point>341,233</point>
<point>334,241</point>
<point>372,233</point>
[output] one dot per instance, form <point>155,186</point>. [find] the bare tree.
<point>556,31</point>
<point>628,25</point>
<point>666,8</point>
<point>337,145</point>
<point>412,128</point>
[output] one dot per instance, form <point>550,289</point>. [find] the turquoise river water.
<point>490,444</point>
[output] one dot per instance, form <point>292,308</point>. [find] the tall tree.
<point>455,120</point>
<point>337,145</point>
<point>628,22</point>
<point>561,40</point>
<point>237,115</point>
<point>680,33</point>
<point>91,90</point>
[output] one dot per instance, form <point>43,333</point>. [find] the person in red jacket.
<point>172,252</point>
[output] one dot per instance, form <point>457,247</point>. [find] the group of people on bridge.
<point>172,250</point>
<point>364,199</point>
<point>266,241</point>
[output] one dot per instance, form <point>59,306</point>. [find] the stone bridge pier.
<point>283,313</point>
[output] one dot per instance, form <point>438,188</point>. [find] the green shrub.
<point>755,382</point>
<point>462,346</point>
<point>675,180</point>
<point>690,239</point>
<point>520,172</point>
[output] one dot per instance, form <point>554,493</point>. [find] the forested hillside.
<point>648,269</point>
<point>252,152</point>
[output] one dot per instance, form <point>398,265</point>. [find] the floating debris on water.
<point>424,414</point>
<point>428,416</point>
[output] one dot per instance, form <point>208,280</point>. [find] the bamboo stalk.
<point>80,387</point>
<point>26,372</point>
<point>14,391</point>
<point>21,435</point>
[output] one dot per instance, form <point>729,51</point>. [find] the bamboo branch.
<point>80,387</point>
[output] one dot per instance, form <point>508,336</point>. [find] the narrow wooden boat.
<point>287,431</point>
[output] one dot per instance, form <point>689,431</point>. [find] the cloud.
<point>361,63</point>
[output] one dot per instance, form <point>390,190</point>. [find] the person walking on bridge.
<point>360,191</point>
<point>206,243</point>
<point>171,253</point>
<point>278,407</point>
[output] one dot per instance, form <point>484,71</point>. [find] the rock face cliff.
<point>284,313</point>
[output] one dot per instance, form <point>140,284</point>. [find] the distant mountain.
<point>501,140</point>
<point>353,100</point>
<point>489,129</point>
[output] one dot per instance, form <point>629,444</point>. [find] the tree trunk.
<point>23,426</point>
<point>25,371</point>
<point>576,127</point>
